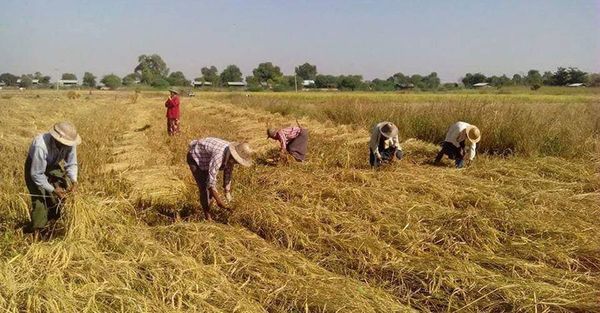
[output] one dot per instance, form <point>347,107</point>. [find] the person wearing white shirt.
<point>384,145</point>
<point>460,143</point>
<point>51,172</point>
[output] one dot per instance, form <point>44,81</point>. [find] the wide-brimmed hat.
<point>271,132</point>
<point>473,134</point>
<point>65,133</point>
<point>173,90</point>
<point>242,153</point>
<point>389,130</point>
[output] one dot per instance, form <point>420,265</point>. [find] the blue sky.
<point>372,38</point>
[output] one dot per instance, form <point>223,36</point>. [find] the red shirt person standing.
<point>172,105</point>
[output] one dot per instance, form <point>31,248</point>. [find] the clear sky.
<point>372,38</point>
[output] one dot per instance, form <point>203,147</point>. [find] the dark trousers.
<point>298,146</point>
<point>201,177</point>
<point>387,155</point>
<point>454,153</point>
<point>45,206</point>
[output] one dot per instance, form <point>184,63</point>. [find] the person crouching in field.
<point>209,155</point>
<point>384,145</point>
<point>294,140</point>
<point>172,105</point>
<point>47,180</point>
<point>460,143</point>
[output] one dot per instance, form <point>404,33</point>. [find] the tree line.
<point>152,70</point>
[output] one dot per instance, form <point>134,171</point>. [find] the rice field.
<point>515,232</point>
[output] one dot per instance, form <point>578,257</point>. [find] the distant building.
<point>68,82</point>
<point>405,86</point>
<point>33,81</point>
<point>2,83</point>
<point>308,83</point>
<point>236,84</point>
<point>199,83</point>
<point>481,85</point>
<point>576,85</point>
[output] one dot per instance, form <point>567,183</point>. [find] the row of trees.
<point>562,76</point>
<point>152,70</point>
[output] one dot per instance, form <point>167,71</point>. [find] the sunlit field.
<point>517,231</point>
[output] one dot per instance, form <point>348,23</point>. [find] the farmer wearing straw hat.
<point>460,143</point>
<point>47,180</point>
<point>172,105</point>
<point>293,139</point>
<point>384,145</point>
<point>209,155</point>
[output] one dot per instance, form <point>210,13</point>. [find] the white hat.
<point>242,153</point>
<point>65,133</point>
<point>473,134</point>
<point>389,130</point>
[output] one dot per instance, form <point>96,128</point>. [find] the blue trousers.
<point>453,153</point>
<point>387,155</point>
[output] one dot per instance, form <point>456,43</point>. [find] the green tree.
<point>26,81</point>
<point>548,78</point>
<point>231,73</point>
<point>160,82</point>
<point>178,79</point>
<point>382,85</point>
<point>210,74</point>
<point>267,72</point>
<point>306,71</point>
<point>89,80</point>
<point>69,76</point>
<point>594,80</point>
<point>564,76</point>
<point>151,67</point>
<point>130,79</point>
<point>350,82</point>
<point>517,80</point>
<point>45,79</point>
<point>430,82</point>
<point>399,79</point>
<point>533,78</point>
<point>9,79</point>
<point>326,81</point>
<point>471,79</point>
<point>111,81</point>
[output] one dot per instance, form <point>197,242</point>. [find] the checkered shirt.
<point>209,153</point>
<point>285,135</point>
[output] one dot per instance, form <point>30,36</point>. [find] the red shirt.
<point>172,106</point>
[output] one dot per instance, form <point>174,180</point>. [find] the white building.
<point>576,85</point>
<point>236,84</point>
<point>68,82</point>
<point>308,83</point>
<point>480,85</point>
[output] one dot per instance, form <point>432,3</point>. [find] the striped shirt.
<point>285,135</point>
<point>211,154</point>
<point>44,153</point>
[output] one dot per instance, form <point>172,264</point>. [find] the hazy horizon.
<point>372,38</point>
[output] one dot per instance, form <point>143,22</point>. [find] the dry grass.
<point>508,234</point>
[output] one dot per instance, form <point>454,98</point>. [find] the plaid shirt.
<point>284,135</point>
<point>210,155</point>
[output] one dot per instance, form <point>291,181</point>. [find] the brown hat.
<point>173,90</point>
<point>242,153</point>
<point>65,133</point>
<point>389,130</point>
<point>473,134</point>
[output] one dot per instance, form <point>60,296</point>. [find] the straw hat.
<point>271,132</point>
<point>389,130</point>
<point>242,153</point>
<point>65,133</point>
<point>473,134</point>
<point>173,90</point>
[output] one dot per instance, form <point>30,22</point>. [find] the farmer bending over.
<point>209,155</point>
<point>294,140</point>
<point>460,143</point>
<point>47,180</point>
<point>384,144</point>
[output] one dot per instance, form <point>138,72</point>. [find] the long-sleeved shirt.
<point>172,105</point>
<point>376,137</point>
<point>210,155</point>
<point>457,134</point>
<point>45,153</point>
<point>285,135</point>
